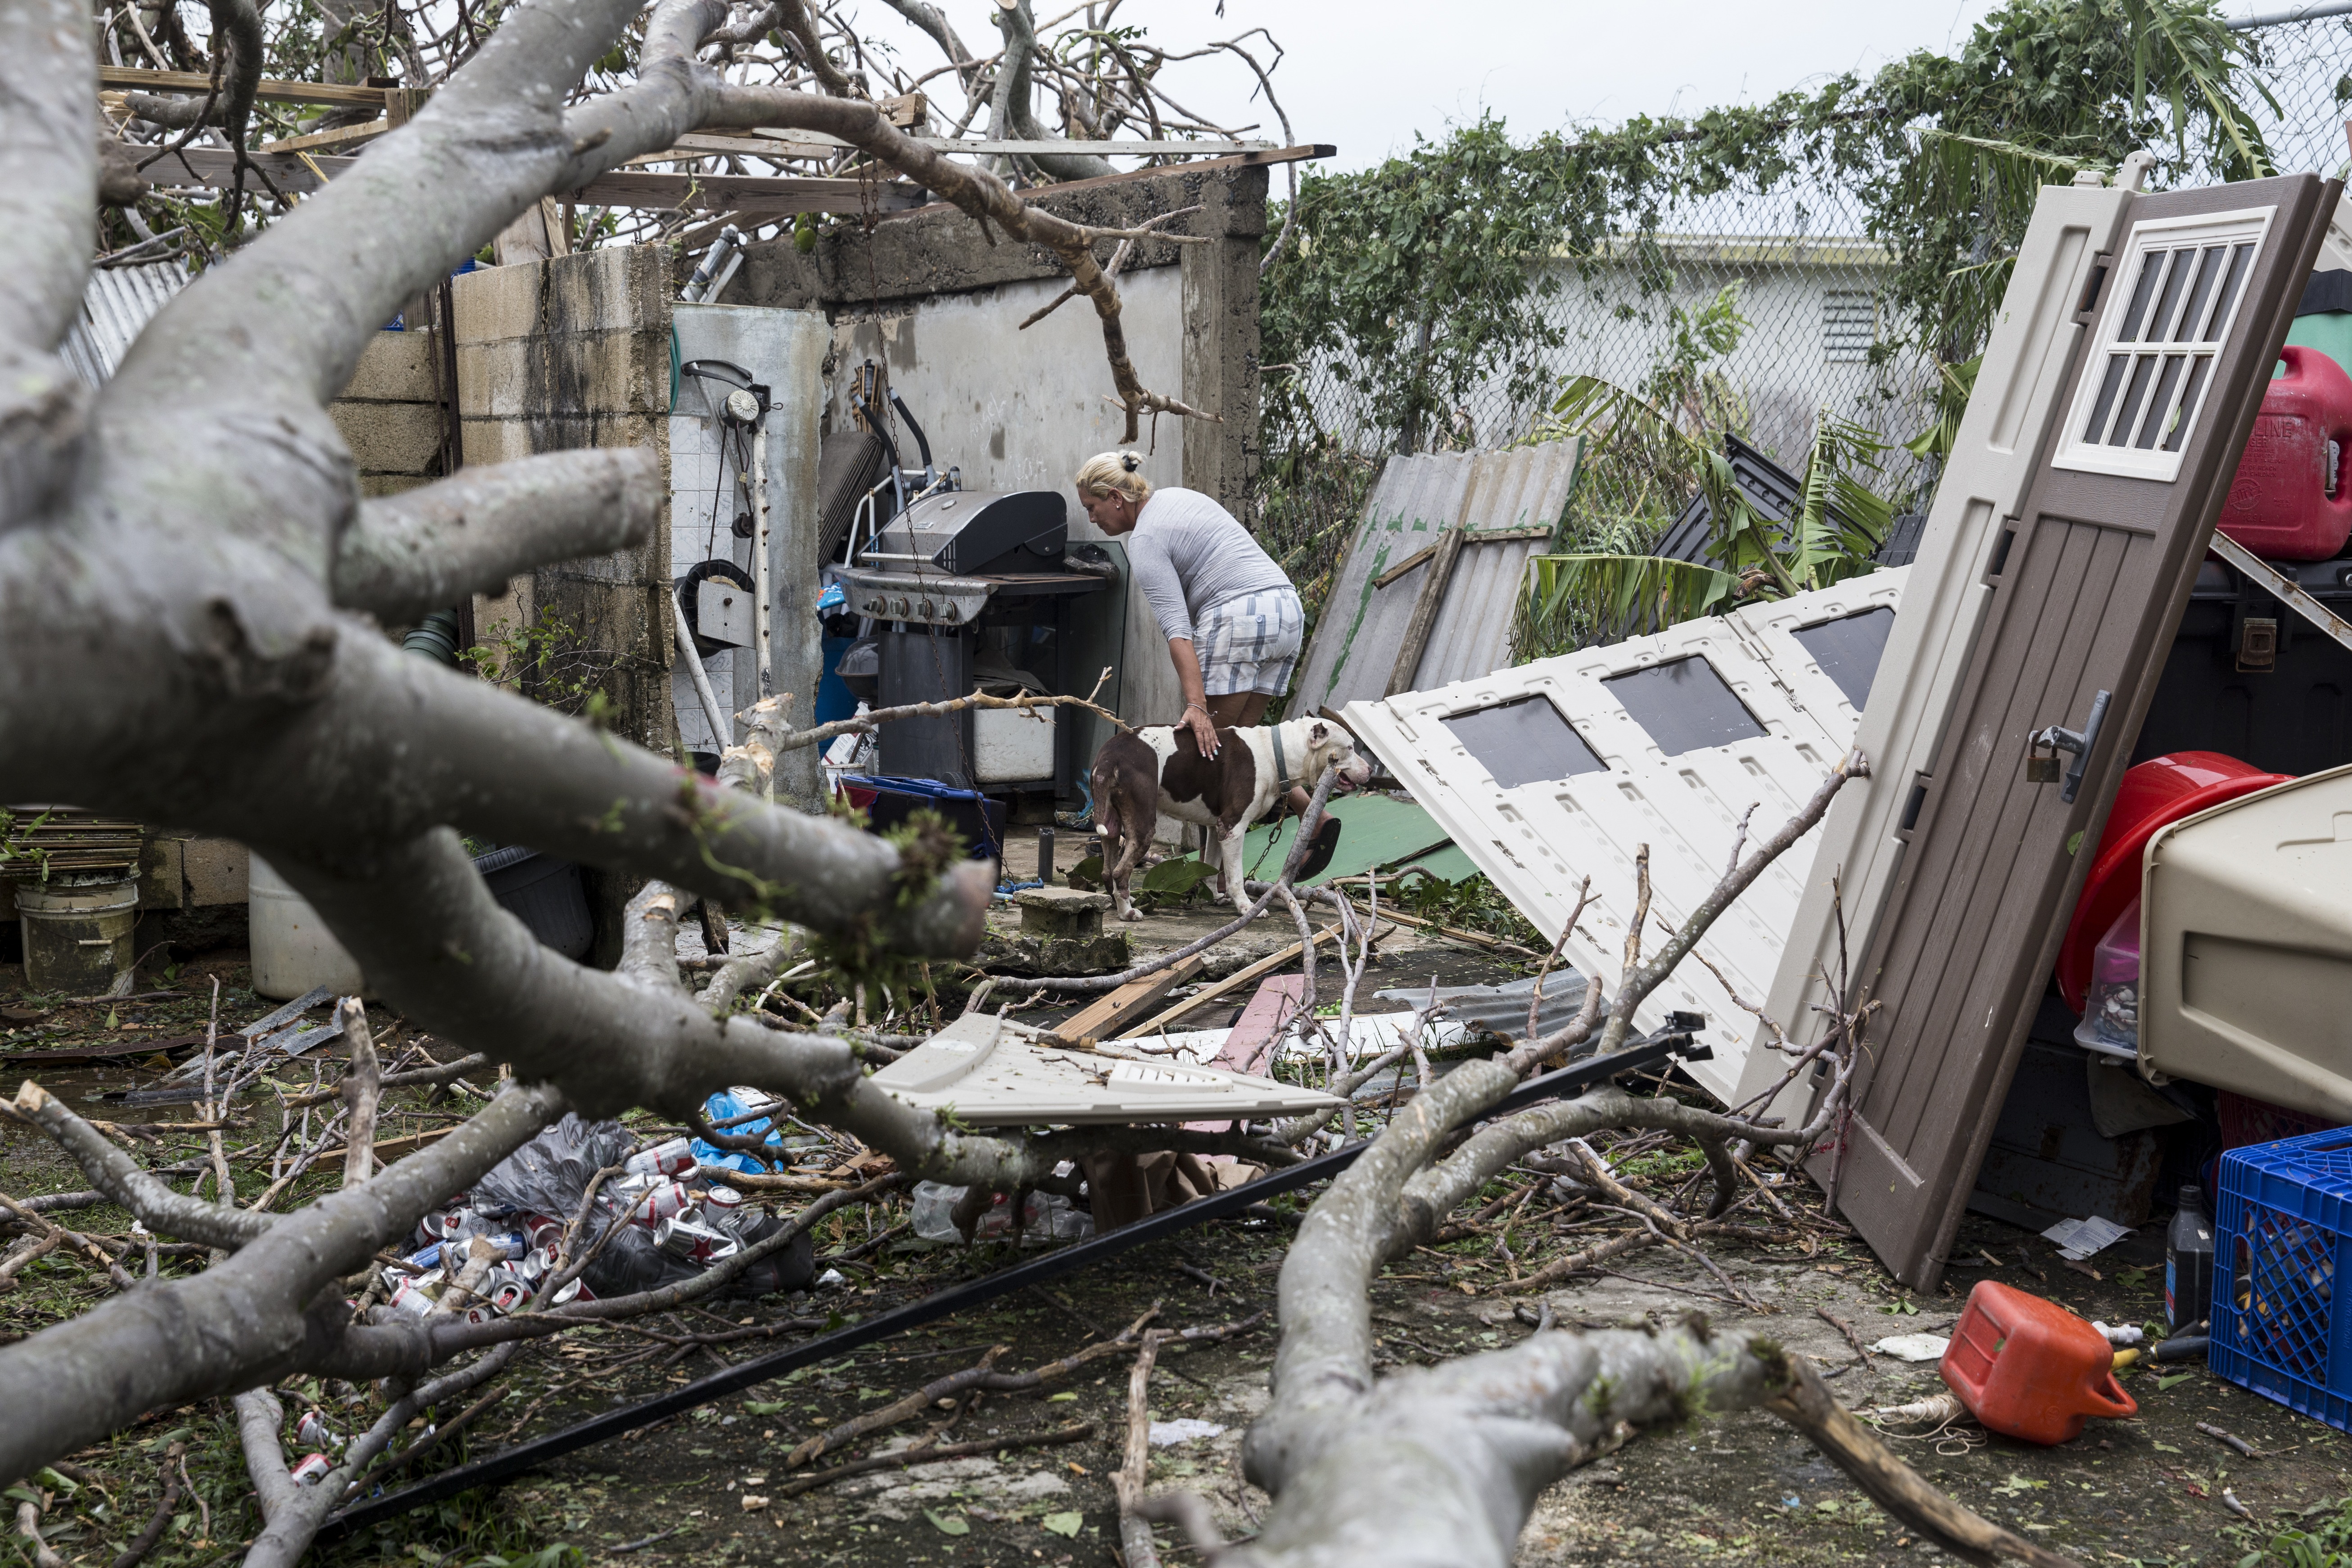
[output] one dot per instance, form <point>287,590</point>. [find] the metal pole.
<point>2311,13</point>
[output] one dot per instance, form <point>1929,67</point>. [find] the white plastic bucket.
<point>293,951</point>
<point>77,938</point>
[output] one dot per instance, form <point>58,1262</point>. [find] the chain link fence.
<point>1809,291</point>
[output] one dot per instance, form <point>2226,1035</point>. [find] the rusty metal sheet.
<point>1362,626</point>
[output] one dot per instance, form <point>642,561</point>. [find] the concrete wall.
<point>785,352</point>
<point>931,298</point>
<point>390,414</point>
<point>555,355</point>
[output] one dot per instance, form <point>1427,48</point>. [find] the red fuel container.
<point>2279,504</point>
<point>2030,1368</point>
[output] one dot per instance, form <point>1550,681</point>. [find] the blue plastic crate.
<point>2281,1238</point>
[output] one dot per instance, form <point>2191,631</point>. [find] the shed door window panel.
<point>2152,359</point>
<point>1525,742</point>
<point>1685,705</point>
<point>1848,650</point>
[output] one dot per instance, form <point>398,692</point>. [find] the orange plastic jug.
<point>2282,505</point>
<point>2030,1368</point>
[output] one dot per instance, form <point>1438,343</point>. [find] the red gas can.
<point>2281,505</point>
<point>2030,1368</point>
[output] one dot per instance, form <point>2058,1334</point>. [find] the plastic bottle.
<point>2188,1261</point>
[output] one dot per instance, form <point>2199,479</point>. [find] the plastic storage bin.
<point>2287,501</point>
<point>2279,1232</point>
<point>2111,1007</point>
<point>2030,1368</point>
<point>544,893</point>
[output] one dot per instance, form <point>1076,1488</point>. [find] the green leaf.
<point>2177,1377</point>
<point>764,1406</point>
<point>1062,1524</point>
<point>1176,877</point>
<point>948,1524</point>
<point>1059,1398</point>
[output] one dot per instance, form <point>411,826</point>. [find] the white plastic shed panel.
<point>1563,769</point>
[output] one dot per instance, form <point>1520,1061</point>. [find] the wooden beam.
<point>343,136</point>
<point>1104,1017</point>
<point>130,78</point>
<point>1265,965</point>
<point>1301,153</point>
<point>1425,609</point>
<point>214,167</point>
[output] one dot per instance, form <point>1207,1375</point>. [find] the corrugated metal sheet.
<point>116,306</point>
<point>1509,492</point>
<point>1503,1009</point>
<point>1416,498</point>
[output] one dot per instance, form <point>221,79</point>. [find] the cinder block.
<point>485,441</point>
<point>163,883</point>
<point>390,437</point>
<point>216,871</point>
<point>395,367</point>
<point>494,302</point>
<point>611,288</point>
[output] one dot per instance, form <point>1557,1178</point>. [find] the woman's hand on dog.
<point>1204,733</point>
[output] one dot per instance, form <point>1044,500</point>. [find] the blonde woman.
<point>1232,621</point>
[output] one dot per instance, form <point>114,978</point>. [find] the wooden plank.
<point>1239,977</point>
<point>1403,566</point>
<point>1424,610</point>
<point>303,172</point>
<point>1304,153</point>
<point>389,1149</point>
<point>131,78</point>
<point>343,136</point>
<point>1104,1017</point>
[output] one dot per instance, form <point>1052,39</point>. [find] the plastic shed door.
<point>2246,946</point>
<point>2087,582</point>
<point>2000,437</point>
<point>1551,772</point>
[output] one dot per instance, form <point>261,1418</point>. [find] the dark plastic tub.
<point>544,893</point>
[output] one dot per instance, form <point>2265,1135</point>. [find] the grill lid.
<point>976,533</point>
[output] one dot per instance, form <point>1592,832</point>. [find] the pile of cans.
<point>691,1221</point>
<point>314,1434</point>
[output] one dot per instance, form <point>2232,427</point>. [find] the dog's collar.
<point>1281,768</point>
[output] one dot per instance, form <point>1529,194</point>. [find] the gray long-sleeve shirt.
<point>1189,554</point>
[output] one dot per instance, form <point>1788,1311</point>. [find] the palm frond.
<point>1620,593</point>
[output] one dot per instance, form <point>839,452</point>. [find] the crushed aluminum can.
<point>427,1256</point>
<point>668,1201</point>
<point>686,1237</point>
<point>509,1294</point>
<point>452,1223</point>
<point>479,1314</point>
<point>541,1260</point>
<point>670,1159</point>
<point>544,1232</point>
<point>410,1299</point>
<point>723,1205</point>
<point>312,1469</point>
<point>573,1291</point>
<point>312,1432</point>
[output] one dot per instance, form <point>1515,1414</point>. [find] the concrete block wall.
<point>556,355</point>
<point>390,412</point>
<point>940,307</point>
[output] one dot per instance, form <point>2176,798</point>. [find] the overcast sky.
<point>1367,74</point>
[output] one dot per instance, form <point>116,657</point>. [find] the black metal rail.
<point>1649,1051</point>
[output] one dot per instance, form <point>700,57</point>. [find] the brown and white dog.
<point>1138,777</point>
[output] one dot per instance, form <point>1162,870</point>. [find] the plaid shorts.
<point>1251,642</point>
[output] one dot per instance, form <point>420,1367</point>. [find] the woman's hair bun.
<point>1129,461</point>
